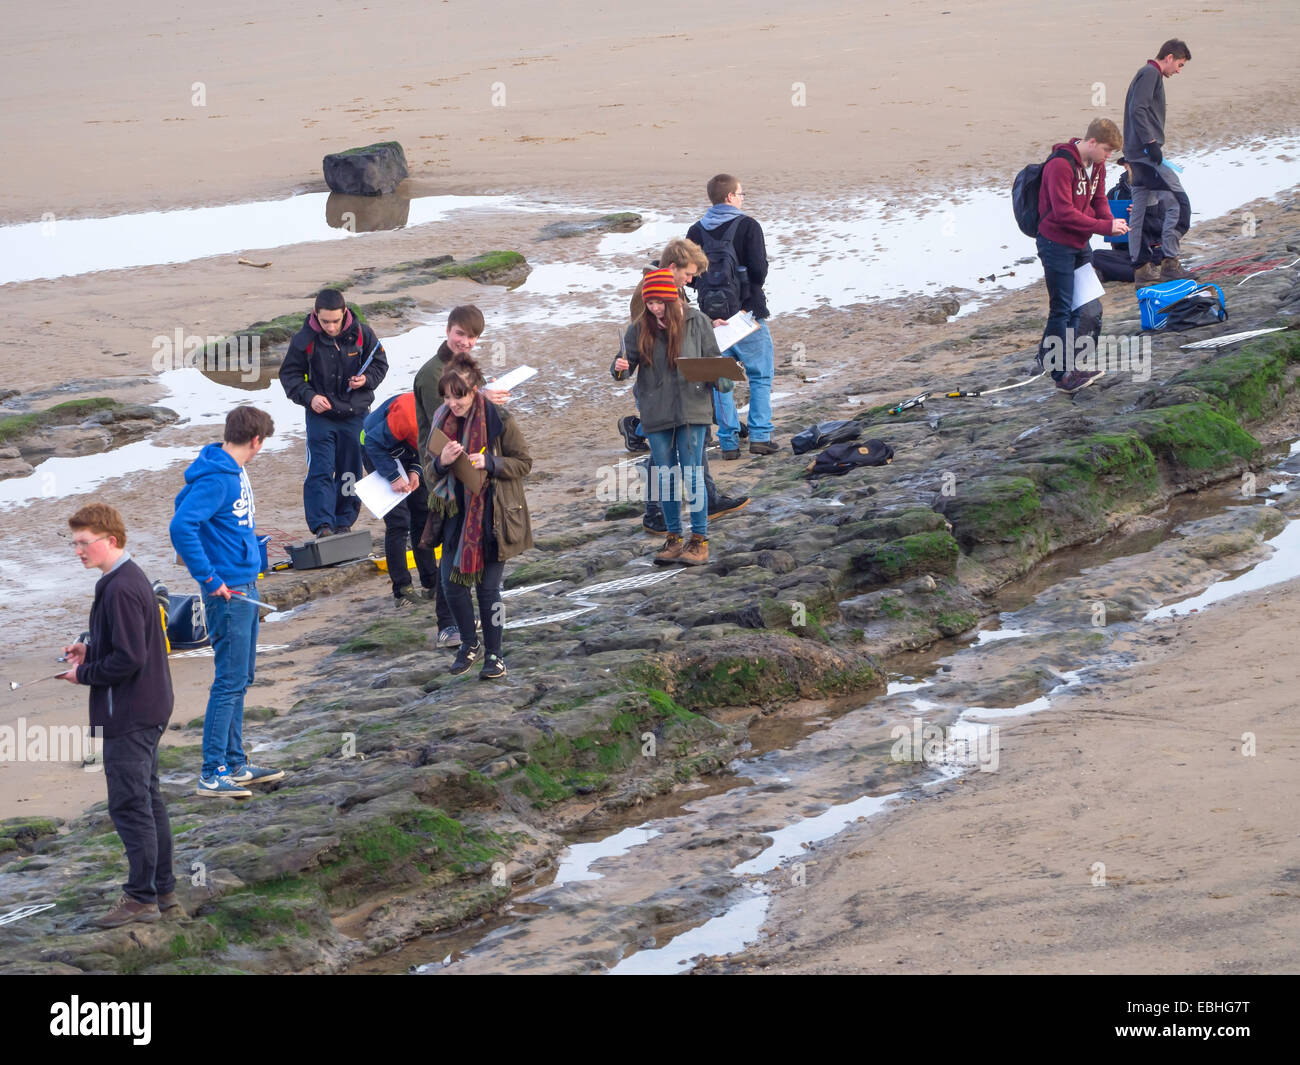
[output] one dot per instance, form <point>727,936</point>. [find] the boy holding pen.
<point>214,532</point>
<point>333,366</point>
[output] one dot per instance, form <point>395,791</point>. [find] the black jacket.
<point>126,656</point>
<point>317,364</point>
<point>751,251</point>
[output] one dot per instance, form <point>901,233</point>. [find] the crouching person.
<point>125,665</point>
<point>480,531</point>
<point>391,449</point>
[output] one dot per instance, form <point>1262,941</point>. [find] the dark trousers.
<point>139,814</point>
<point>1064,325</point>
<point>489,602</point>
<point>653,507</point>
<point>1173,203</point>
<point>333,453</point>
<point>403,526</point>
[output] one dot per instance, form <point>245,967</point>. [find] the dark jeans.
<point>1064,326</point>
<point>402,528</point>
<point>135,804</point>
<point>653,507</point>
<point>490,611</point>
<point>333,451</point>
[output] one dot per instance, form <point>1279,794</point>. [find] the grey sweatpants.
<point>1158,188</point>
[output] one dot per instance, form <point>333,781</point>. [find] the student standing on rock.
<point>479,531</point>
<point>1072,206</point>
<point>333,366</point>
<point>737,255</point>
<point>464,327</point>
<point>686,260</point>
<point>125,665</point>
<point>214,532</point>
<point>675,412</point>
<point>392,450</point>
<point>1144,138</point>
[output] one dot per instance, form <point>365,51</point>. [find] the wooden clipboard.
<point>465,473</point>
<point>711,369</point>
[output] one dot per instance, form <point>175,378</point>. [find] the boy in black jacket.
<point>332,368</point>
<point>125,664</point>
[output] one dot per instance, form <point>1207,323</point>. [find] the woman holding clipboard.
<point>675,412</point>
<point>478,461</point>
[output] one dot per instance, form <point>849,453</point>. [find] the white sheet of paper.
<point>738,326</point>
<point>1087,287</point>
<point>377,494</point>
<point>513,379</point>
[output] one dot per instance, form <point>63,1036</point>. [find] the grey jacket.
<point>664,398</point>
<point>1144,113</point>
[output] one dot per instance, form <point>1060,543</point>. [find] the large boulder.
<point>374,170</point>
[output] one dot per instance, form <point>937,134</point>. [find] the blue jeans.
<point>232,628</point>
<point>670,449</point>
<point>1056,349</point>
<point>652,505</point>
<point>758,357</point>
<point>333,452</point>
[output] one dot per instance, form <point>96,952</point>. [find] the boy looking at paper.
<point>1072,206</point>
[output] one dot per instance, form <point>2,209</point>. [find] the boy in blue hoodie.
<point>213,532</point>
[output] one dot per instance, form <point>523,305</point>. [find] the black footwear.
<point>493,668</point>
<point>343,530</point>
<point>632,440</point>
<point>744,430</point>
<point>1076,380</point>
<point>762,447</point>
<point>654,523</point>
<point>726,505</point>
<point>465,658</point>
<point>322,532</point>
<point>405,596</point>
<point>731,455</point>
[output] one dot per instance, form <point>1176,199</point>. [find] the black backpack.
<point>840,458</point>
<point>721,288</point>
<point>1025,189</point>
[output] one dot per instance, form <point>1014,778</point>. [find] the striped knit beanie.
<point>659,285</point>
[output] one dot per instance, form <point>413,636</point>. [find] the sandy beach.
<point>576,111</point>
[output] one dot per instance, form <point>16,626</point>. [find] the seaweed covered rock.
<point>375,170</point>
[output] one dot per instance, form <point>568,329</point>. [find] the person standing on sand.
<point>125,665</point>
<point>214,532</point>
<point>464,327</point>
<point>1072,206</point>
<point>675,412</point>
<point>726,232</point>
<point>332,368</point>
<point>1144,138</point>
<point>479,531</point>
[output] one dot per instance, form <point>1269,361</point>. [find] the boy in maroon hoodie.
<point>1071,208</point>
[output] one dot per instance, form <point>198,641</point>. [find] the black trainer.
<point>726,505</point>
<point>632,440</point>
<point>465,658</point>
<point>654,523</point>
<point>493,668</point>
<point>323,531</point>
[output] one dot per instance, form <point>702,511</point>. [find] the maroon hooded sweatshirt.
<point>1071,206</point>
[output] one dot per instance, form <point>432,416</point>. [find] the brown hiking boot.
<point>170,906</point>
<point>1146,274</point>
<point>1172,270</point>
<point>671,551</point>
<point>696,553</point>
<point>128,910</point>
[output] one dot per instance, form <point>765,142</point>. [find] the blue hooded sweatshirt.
<point>212,529</point>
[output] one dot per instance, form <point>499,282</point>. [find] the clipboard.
<point>711,369</point>
<point>465,473</point>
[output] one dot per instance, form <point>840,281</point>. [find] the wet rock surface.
<point>622,222</point>
<point>415,799</point>
<point>88,426</point>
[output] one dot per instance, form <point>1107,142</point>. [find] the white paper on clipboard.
<point>738,326</point>
<point>513,379</point>
<point>377,494</point>
<point>1087,287</point>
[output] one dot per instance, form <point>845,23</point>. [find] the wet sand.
<point>1142,772</point>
